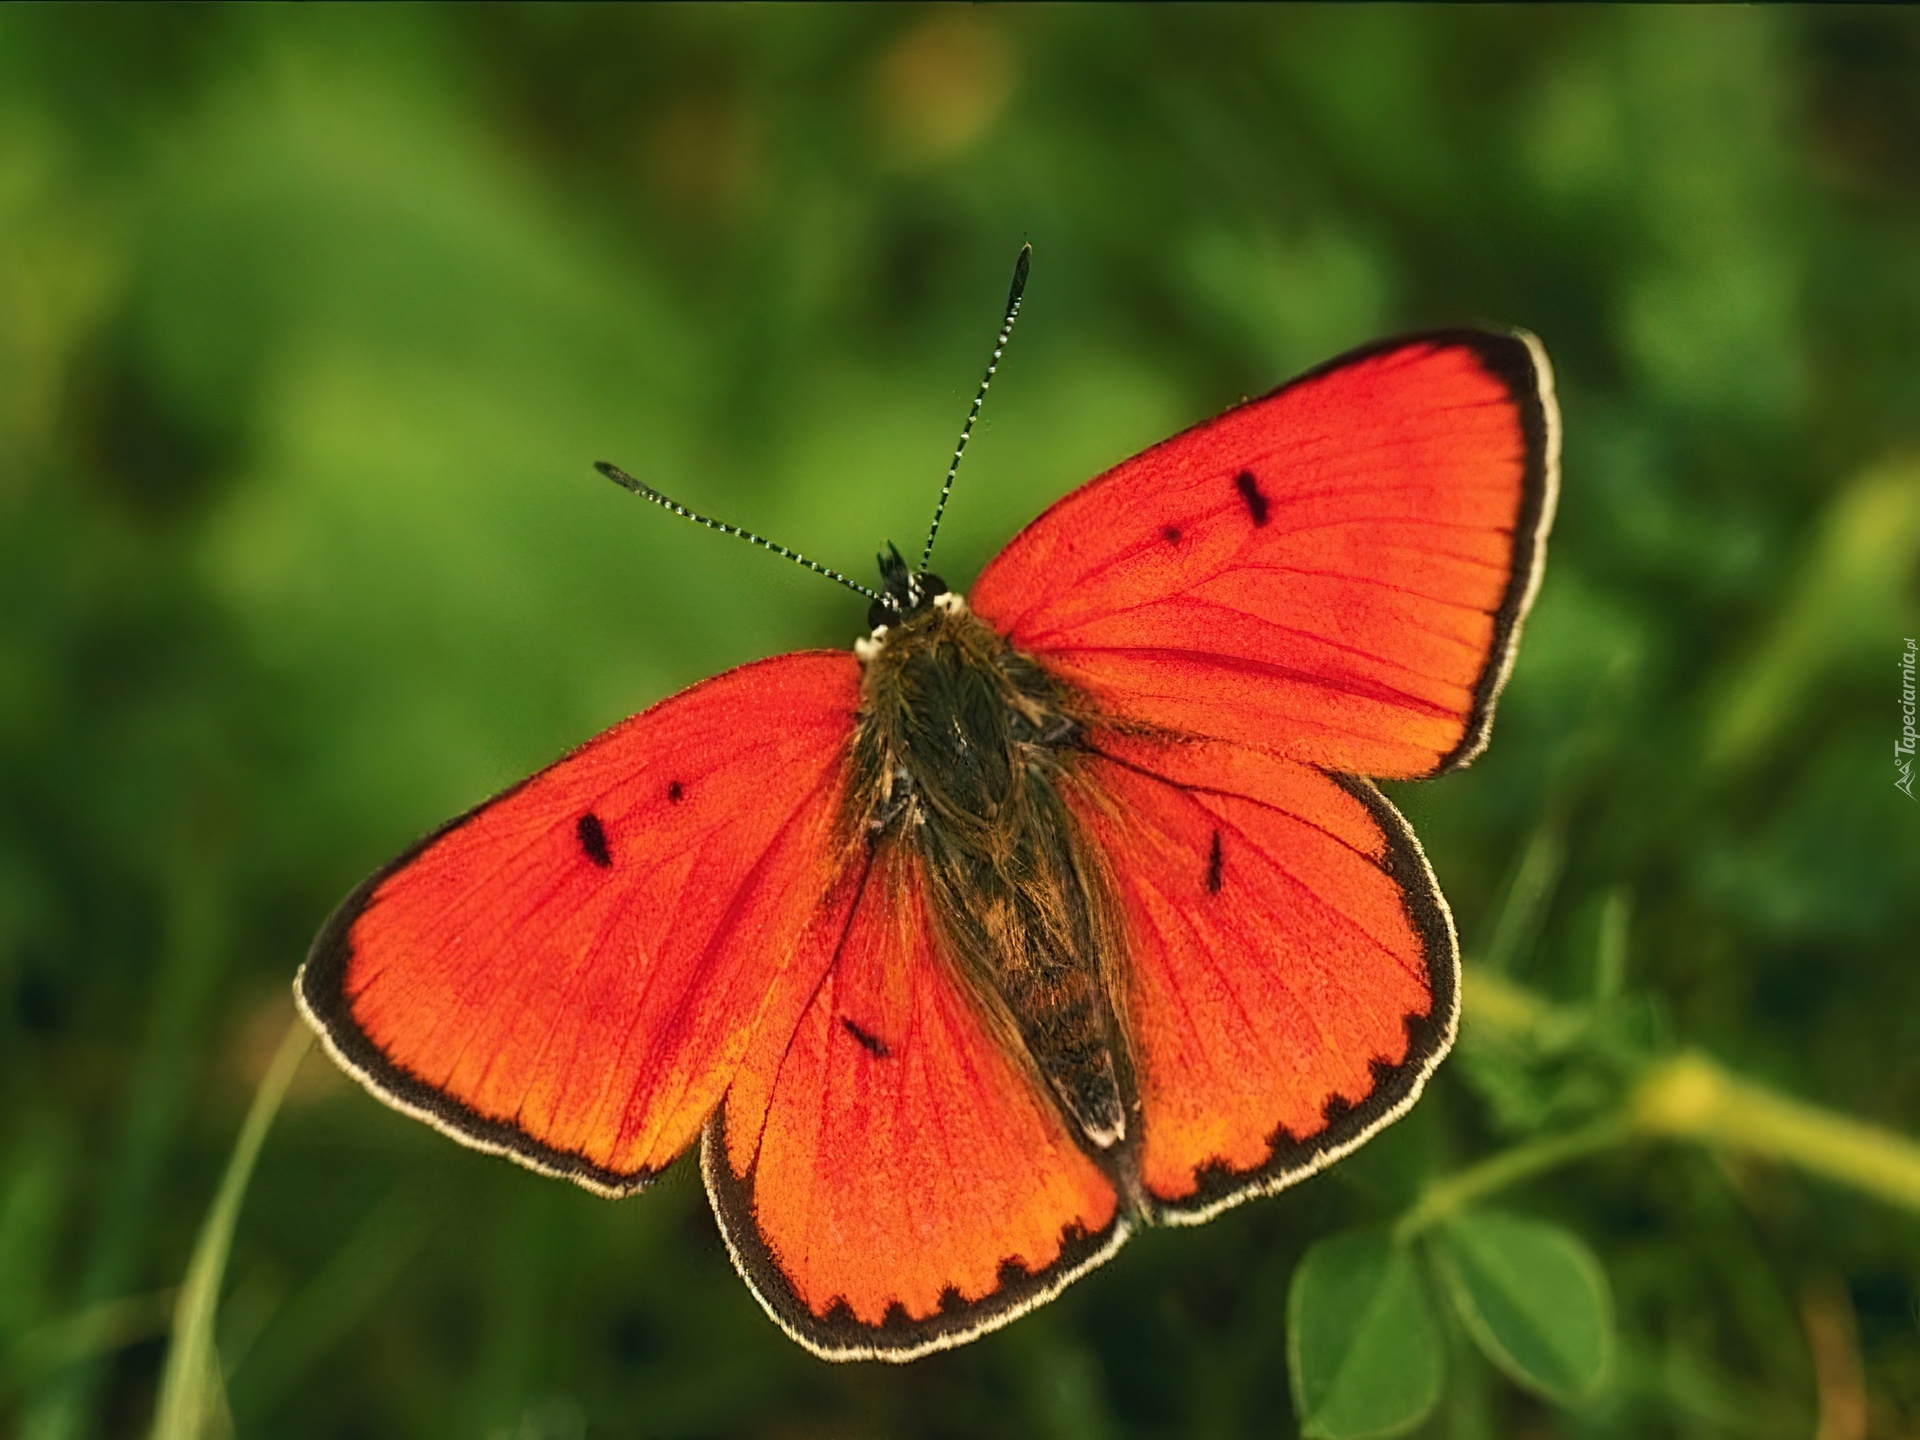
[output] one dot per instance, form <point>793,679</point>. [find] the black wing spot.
<point>1172,534</point>
<point>871,1043</point>
<point>1250,492</point>
<point>593,840</point>
<point>1213,866</point>
<point>674,792</point>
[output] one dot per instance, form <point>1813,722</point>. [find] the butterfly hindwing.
<point>889,1179</point>
<point>570,972</point>
<point>1293,975</point>
<point>1336,571</point>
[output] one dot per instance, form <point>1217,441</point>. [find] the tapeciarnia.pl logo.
<point>1903,747</point>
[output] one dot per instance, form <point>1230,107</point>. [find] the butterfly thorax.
<point>964,751</point>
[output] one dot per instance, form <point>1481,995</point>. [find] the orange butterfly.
<point>1048,912</point>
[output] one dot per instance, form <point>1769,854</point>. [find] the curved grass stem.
<point>192,1403</point>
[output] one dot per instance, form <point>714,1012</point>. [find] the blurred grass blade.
<point>1848,594</point>
<point>33,1187</point>
<point>345,1289</point>
<point>1527,899</point>
<point>194,955</point>
<point>192,1401</point>
<point>1610,947</point>
<point>100,1329</point>
<point>1534,1299</point>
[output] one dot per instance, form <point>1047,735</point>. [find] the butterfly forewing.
<point>571,972</point>
<point>1336,571</point>
<point>1292,966</point>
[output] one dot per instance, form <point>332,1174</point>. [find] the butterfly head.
<point>904,592</point>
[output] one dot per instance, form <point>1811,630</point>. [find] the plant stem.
<point>1691,1097</point>
<point>191,1396</point>
<point>1507,1168</point>
<point>1685,1097</point>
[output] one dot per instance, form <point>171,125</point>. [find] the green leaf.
<point>1363,1349</point>
<point>1533,1297</point>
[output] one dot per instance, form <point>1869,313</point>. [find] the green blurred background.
<point>311,321</point>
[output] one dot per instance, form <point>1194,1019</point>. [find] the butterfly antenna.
<point>647,492</point>
<point>1014,292</point>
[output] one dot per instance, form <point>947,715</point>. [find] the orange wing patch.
<point>1294,970</point>
<point>888,1181</point>
<point>570,973</point>
<point>1336,571</point>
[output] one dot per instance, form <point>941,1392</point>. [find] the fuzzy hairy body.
<point>965,752</point>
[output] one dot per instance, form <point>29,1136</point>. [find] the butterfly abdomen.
<point>961,752</point>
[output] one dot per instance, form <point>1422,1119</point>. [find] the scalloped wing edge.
<point>1428,1041</point>
<point>893,1341</point>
